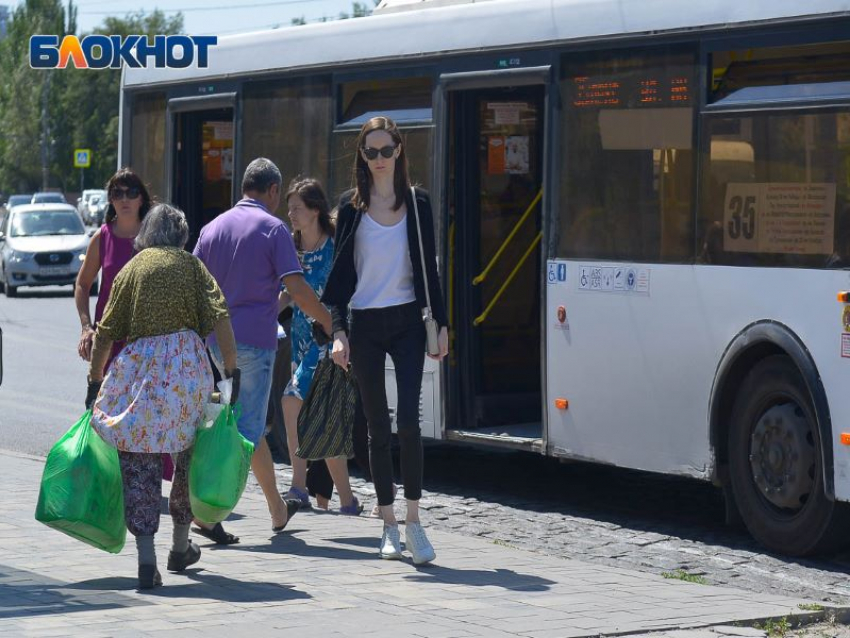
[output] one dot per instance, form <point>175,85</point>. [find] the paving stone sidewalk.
<point>322,578</point>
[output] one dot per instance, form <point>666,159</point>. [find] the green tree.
<point>90,104</point>
<point>66,108</point>
<point>358,10</point>
<point>26,95</point>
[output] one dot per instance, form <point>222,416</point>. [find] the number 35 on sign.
<point>780,217</point>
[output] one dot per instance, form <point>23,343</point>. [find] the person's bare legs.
<point>338,468</point>
<point>291,408</point>
<point>388,514</point>
<point>263,468</point>
<point>412,512</point>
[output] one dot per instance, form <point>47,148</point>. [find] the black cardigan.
<point>343,278</point>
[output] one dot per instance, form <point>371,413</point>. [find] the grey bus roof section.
<point>480,26</point>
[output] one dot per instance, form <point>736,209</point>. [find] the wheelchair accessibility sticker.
<point>627,279</point>
<point>557,273</point>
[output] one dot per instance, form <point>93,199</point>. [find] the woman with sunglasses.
<point>378,274</point>
<point>110,248</point>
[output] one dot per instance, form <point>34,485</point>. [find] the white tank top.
<point>382,262</point>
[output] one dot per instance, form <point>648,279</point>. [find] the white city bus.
<point>643,211</point>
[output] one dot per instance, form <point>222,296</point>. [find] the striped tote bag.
<point>326,420</point>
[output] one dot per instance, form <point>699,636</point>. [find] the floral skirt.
<point>152,399</point>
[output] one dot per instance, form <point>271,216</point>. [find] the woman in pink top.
<point>110,248</point>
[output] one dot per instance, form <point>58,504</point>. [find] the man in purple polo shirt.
<point>248,250</point>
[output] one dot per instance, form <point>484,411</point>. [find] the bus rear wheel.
<point>775,463</point>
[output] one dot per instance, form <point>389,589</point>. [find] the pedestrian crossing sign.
<point>82,158</point>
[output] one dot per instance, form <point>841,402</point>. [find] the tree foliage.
<point>46,114</point>
<point>57,111</point>
<point>358,10</point>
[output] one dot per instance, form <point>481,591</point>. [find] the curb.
<point>22,455</point>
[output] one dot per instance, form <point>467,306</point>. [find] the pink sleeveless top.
<point>115,252</point>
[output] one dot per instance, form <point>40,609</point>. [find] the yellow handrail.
<point>483,316</point>
<point>505,243</point>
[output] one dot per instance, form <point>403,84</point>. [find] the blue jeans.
<point>257,366</point>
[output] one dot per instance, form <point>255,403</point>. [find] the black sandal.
<point>217,535</point>
<point>149,577</point>
<point>292,506</point>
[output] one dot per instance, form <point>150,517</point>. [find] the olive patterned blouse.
<point>160,291</point>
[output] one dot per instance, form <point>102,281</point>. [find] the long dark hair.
<point>127,178</point>
<point>313,195</point>
<point>362,177</point>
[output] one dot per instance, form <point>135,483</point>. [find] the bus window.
<point>776,190</point>
<point>147,142</point>
<point>289,123</point>
<point>627,157</point>
<point>795,71</point>
<point>404,100</point>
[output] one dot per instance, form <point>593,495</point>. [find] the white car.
<point>96,210</point>
<point>85,199</point>
<point>41,245</point>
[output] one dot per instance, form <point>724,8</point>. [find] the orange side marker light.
<point>562,404</point>
<point>844,297</point>
<point>845,438</point>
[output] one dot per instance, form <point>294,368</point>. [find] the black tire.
<point>776,463</point>
<point>11,291</point>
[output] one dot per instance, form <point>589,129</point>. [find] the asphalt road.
<point>601,514</point>
<point>44,380</point>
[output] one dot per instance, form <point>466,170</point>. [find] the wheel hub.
<point>782,456</point>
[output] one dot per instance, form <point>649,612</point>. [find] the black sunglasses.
<point>118,194</point>
<point>372,153</point>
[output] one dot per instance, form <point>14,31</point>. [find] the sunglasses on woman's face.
<point>372,153</point>
<point>117,194</point>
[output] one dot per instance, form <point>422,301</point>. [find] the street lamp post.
<point>45,133</point>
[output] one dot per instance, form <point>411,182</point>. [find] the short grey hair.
<point>164,225</point>
<point>261,175</point>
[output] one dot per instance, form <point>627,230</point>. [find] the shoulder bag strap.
<point>421,251</point>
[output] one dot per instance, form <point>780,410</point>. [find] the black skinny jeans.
<point>399,332</point>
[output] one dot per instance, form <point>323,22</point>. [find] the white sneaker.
<point>391,543</point>
<point>418,544</point>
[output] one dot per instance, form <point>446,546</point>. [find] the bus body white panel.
<point>430,411</point>
<point>637,363</point>
<point>469,27</point>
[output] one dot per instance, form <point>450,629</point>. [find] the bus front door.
<point>203,166</point>
<point>495,195</point>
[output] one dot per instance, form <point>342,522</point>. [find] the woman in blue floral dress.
<point>313,231</point>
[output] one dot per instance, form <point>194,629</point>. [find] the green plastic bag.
<point>81,490</point>
<point>219,467</point>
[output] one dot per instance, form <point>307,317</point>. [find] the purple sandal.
<point>351,510</point>
<point>297,494</point>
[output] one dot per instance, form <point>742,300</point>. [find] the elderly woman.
<point>163,303</point>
